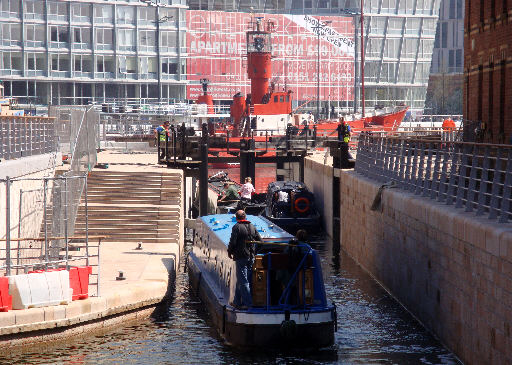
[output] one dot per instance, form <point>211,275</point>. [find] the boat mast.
<point>362,56</point>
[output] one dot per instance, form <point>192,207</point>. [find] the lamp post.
<point>320,26</point>
<point>361,19</point>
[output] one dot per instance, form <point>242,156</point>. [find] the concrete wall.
<point>318,177</point>
<point>449,268</point>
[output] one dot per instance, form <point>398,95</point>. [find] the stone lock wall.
<point>318,177</point>
<point>452,270</point>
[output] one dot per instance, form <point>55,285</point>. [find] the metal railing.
<point>473,176</point>
<point>26,136</point>
<point>39,231</point>
<point>152,107</point>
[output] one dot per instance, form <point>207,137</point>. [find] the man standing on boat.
<point>230,193</point>
<point>241,250</point>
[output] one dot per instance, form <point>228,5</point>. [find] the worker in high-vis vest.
<point>161,132</point>
<point>344,131</point>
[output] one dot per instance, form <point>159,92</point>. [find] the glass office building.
<point>444,95</point>
<point>398,38</point>
<point>65,52</point>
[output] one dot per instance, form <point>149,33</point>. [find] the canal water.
<point>372,329</point>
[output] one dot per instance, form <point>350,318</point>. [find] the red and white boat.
<point>266,109</point>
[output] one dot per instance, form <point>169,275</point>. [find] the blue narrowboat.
<point>289,304</point>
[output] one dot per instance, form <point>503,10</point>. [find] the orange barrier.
<point>5,298</point>
<point>79,281</point>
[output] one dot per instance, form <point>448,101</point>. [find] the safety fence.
<point>77,130</point>
<point>26,136</point>
<point>39,230</point>
<point>473,176</point>
<point>128,127</point>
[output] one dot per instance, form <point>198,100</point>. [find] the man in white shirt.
<point>282,197</point>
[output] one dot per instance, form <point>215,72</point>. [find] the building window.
<point>452,9</point>
<point>147,40</point>
<point>34,35</point>
<point>59,34</point>
<point>412,26</point>
<point>60,62</point>
<point>57,10</point>
<point>104,38</point>
<point>409,47</point>
<point>36,62</point>
<point>127,64</point>
<point>126,39</point>
<point>169,66</point>
<point>423,6</point>
<point>406,72</point>
<point>12,63</point>
<point>105,64</point>
<point>10,8</point>
<point>392,47</point>
<point>125,15</point>
<point>11,34</point>
<point>429,26</point>
<point>169,17</point>
<point>377,25</point>
<point>148,67</point>
<point>33,9</point>
<point>103,14</point>
<point>444,35</point>
<point>82,63</point>
<point>395,26</point>
<point>147,15</point>
<point>81,13</point>
<point>458,60</point>
<point>168,40</point>
<point>82,38</point>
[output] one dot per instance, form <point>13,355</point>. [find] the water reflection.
<point>372,328</point>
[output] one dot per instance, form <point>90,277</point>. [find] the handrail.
<point>55,238</point>
<point>474,176</point>
<point>287,290</point>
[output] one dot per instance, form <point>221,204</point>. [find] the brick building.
<point>488,68</point>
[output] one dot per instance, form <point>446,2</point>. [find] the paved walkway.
<point>147,274</point>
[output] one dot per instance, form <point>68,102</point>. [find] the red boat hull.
<point>388,122</point>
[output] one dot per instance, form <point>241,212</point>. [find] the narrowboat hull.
<point>312,224</point>
<point>241,328</point>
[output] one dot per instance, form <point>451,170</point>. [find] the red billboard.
<point>217,51</point>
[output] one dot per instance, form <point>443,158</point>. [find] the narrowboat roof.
<point>222,224</point>
<point>286,185</point>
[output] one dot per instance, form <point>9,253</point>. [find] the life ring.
<point>302,204</point>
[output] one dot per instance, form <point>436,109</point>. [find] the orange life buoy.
<point>302,204</point>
